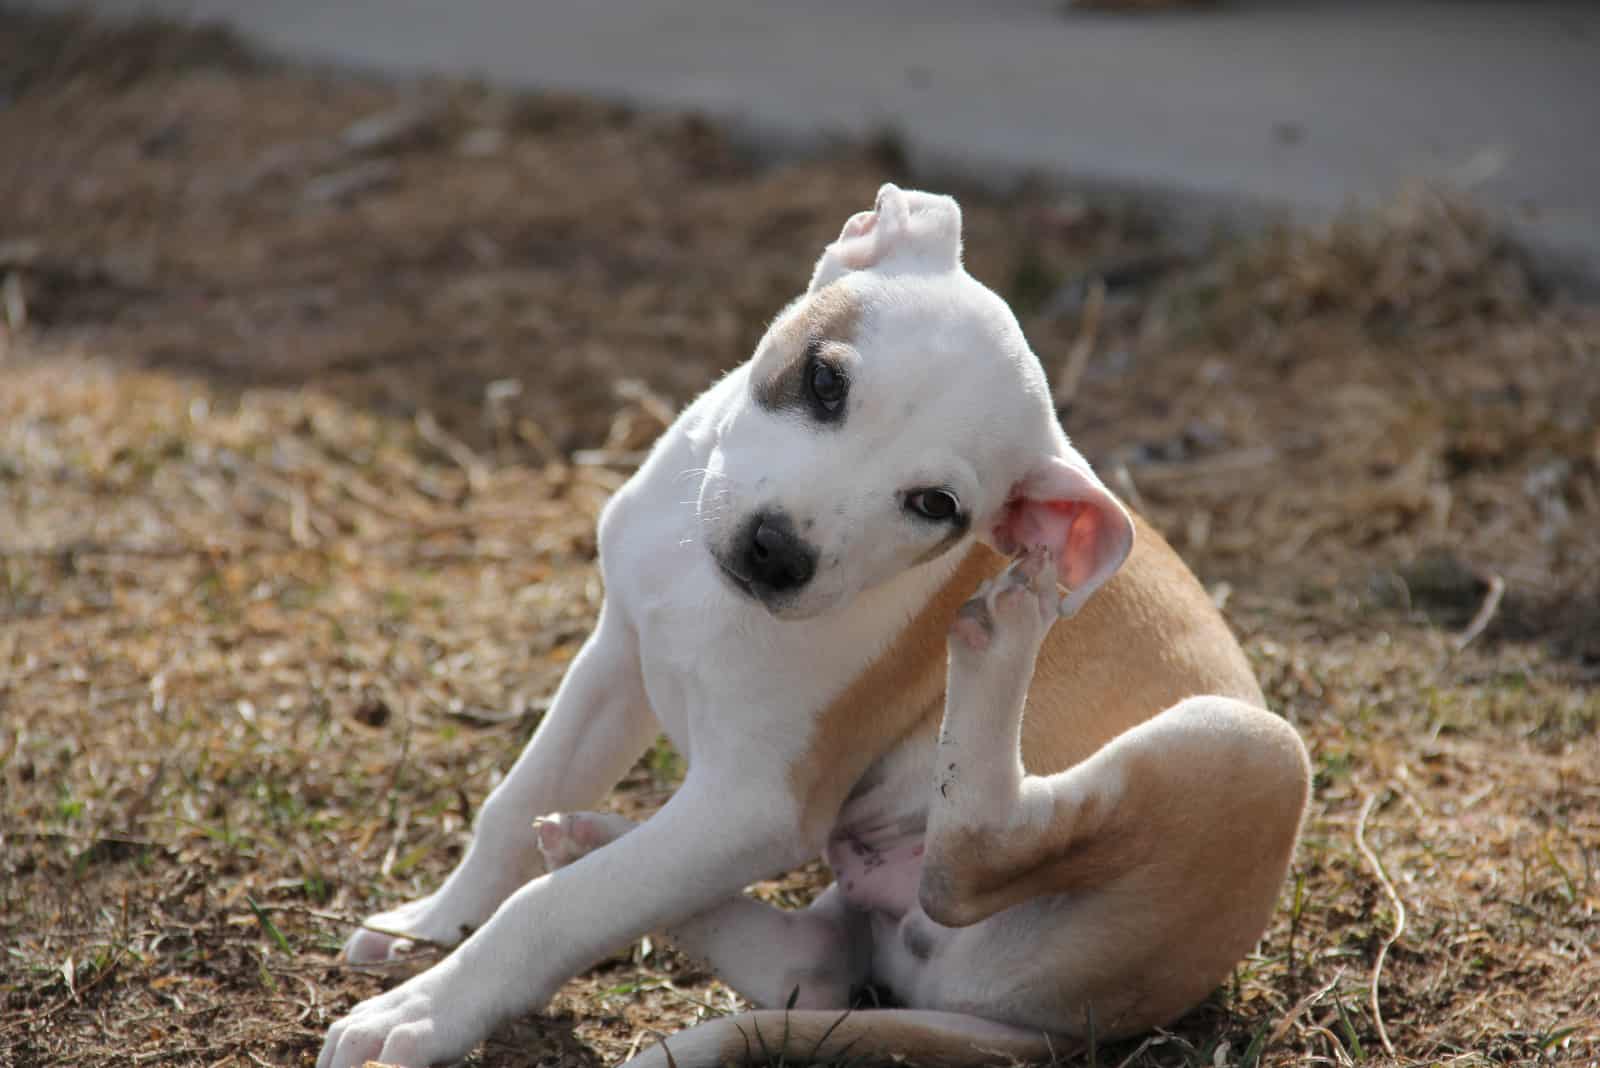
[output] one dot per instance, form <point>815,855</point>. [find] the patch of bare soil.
<point>311,388</point>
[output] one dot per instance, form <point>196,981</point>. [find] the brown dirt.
<point>311,387</point>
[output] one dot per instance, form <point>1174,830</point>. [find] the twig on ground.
<point>299,505</point>
<point>461,455</point>
<point>610,457</point>
<point>517,711</point>
<point>635,391</point>
<point>415,939</point>
<point>1486,611</point>
<point>395,701</point>
<point>93,548</point>
<point>91,839</point>
<point>1176,473</point>
<point>30,1020</point>
<point>633,1047</point>
<point>13,302</point>
<point>1298,1010</point>
<point>1138,1052</point>
<point>1122,478</point>
<point>310,913</point>
<point>1399,919</point>
<point>1083,347</point>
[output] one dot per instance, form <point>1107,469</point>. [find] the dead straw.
<point>1485,614</point>
<point>1083,347</point>
<point>1399,920</point>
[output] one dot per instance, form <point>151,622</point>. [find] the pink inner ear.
<point>860,224</point>
<point>1070,529</point>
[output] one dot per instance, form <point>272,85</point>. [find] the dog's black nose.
<point>775,558</point>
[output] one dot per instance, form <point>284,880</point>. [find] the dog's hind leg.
<point>816,955</point>
<point>1185,821</point>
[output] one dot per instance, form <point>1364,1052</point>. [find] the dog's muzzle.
<point>769,558</point>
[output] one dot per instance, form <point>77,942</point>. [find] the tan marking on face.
<point>830,315</point>
<point>899,691</point>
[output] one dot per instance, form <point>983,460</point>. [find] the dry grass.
<point>288,564</point>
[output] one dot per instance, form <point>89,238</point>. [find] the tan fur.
<point>927,1039</point>
<point>1146,640</point>
<point>980,874</point>
<point>1149,638</point>
<point>901,690</point>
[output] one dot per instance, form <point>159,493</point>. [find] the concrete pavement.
<point>1294,104</point>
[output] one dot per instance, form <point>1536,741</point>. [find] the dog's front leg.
<point>597,726</point>
<point>717,834</point>
<point>811,958</point>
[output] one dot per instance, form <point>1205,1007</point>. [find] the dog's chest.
<point>688,634</point>
<point>720,674</point>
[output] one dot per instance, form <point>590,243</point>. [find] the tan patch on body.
<point>901,690</point>
<point>933,1040</point>
<point>971,874</point>
<point>1149,638</point>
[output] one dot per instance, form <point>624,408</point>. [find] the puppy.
<point>1049,790</point>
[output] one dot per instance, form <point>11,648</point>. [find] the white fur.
<point>944,392</point>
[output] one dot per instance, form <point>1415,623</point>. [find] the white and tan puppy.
<point>1038,828</point>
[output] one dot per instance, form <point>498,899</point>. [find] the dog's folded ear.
<point>905,230</point>
<point>1063,507</point>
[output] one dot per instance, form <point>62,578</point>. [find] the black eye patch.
<point>813,385</point>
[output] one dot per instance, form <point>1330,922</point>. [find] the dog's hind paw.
<point>566,836</point>
<point>1022,602</point>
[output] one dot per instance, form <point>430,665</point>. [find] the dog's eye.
<point>932,504</point>
<point>828,386</point>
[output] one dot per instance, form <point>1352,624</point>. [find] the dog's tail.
<point>926,1039</point>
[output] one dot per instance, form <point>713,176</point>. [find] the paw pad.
<point>1027,587</point>
<point>566,836</point>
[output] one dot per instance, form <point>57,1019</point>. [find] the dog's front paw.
<point>1016,606</point>
<point>501,858</point>
<point>391,936</point>
<point>416,1024</point>
<point>566,836</point>
<point>443,918</point>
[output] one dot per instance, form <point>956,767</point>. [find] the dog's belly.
<point>876,873</point>
<point>876,846</point>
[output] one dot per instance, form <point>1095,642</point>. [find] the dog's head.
<point>892,413</point>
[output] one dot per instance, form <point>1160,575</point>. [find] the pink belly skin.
<point>877,875</point>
